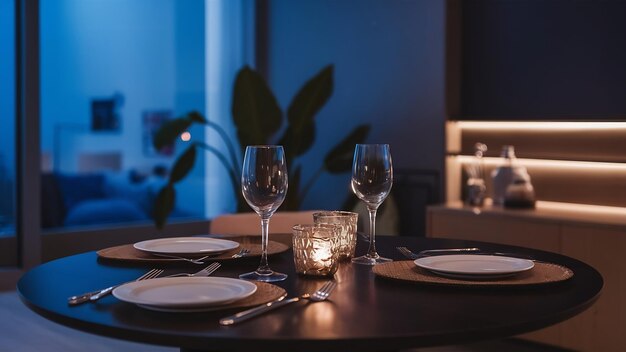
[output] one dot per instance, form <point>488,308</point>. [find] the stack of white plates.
<point>472,266</point>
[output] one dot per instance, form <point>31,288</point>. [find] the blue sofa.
<point>98,198</point>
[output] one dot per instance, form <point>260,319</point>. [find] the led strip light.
<point>539,125</point>
<point>551,164</point>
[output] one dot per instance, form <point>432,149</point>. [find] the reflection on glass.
<point>264,184</point>
<point>372,178</point>
<point>112,72</point>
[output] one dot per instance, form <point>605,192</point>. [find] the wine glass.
<point>372,177</point>
<point>264,187</point>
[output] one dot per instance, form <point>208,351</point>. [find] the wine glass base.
<point>370,260</point>
<point>272,276</point>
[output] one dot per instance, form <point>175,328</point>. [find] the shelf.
<point>585,141</point>
<point>568,213</point>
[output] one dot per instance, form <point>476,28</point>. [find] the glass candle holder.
<point>316,249</point>
<point>347,237</point>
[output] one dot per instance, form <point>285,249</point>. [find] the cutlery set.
<point>242,253</point>
<point>319,295</point>
<point>471,250</point>
<point>409,254</point>
<point>95,295</point>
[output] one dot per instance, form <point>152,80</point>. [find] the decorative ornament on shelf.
<point>511,182</point>
<point>476,188</point>
<point>257,118</point>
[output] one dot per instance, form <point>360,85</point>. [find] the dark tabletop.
<point>365,312</point>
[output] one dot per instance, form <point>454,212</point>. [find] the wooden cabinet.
<point>594,235</point>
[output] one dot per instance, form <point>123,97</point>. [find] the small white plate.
<point>474,266</point>
<point>186,246</point>
<point>170,293</point>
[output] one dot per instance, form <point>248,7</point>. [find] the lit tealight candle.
<point>347,236</point>
<point>316,249</point>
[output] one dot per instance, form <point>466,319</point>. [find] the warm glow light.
<point>185,136</point>
<point>585,208</point>
<point>551,164</point>
<point>539,125</point>
<point>321,252</point>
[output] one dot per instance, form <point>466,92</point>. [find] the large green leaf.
<point>299,136</point>
<point>339,159</point>
<point>256,113</point>
<point>169,131</point>
<point>163,205</point>
<point>195,116</point>
<point>292,200</point>
<point>183,164</point>
<point>293,141</point>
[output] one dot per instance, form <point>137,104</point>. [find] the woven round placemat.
<point>540,274</point>
<point>265,293</point>
<point>128,253</point>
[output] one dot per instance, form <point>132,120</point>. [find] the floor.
<point>21,330</point>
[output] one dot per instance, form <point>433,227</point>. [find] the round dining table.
<point>365,312</point>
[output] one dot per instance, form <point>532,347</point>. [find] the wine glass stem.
<point>264,266</point>
<point>371,252</point>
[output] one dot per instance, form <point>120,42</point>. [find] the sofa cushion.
<point>80,187</point>
<point>142,193</point>
<point>102,211</point>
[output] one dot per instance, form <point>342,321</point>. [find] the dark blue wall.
<point>557,59</point>
<point>389,72</point>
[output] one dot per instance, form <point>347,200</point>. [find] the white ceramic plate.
<point>180,309</point>
<point>474,266</point>
<point>184,292</point>
<point>186,246</point>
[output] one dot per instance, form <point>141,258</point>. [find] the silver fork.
<point>242,253</point>
<point>320,295</point>
<point>204,272</point>
<point>78,299</point>
<point>190,260</point>
<point>409,254</point>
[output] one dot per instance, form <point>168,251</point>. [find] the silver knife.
<point>253,312</point>
<point>78,299</point>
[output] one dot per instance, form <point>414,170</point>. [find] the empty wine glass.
<point>372,178</point>
<point>264,186</point>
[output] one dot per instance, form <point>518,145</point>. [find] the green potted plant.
<point>258,118</point>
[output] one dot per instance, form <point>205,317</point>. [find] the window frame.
<point>34,245</point>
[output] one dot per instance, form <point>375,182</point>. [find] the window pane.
<point>112,71</point>
<point>8,246</point>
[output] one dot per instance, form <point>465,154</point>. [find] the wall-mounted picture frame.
<point>104,114</point>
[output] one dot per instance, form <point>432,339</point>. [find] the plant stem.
<point>229,145</point>
<point>222,158</point>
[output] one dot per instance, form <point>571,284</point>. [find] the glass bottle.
<point>502,176</point>
<point>476,189</point>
